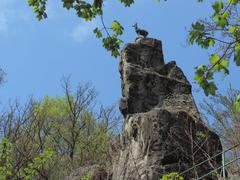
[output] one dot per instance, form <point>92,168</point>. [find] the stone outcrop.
<point>162,130</point>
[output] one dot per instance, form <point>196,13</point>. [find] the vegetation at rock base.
<point>219,110</point>
<point>26,172</point>
<point>48,139</point>
<point>88,176</point>
<point>172,176</point>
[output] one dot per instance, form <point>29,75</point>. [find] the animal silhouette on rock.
<point>140,32</point>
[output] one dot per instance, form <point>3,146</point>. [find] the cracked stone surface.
<point>163,131</point>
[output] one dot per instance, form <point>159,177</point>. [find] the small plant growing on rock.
<point>172,176</point>
<point>88,176</point>
<point>200,135</point>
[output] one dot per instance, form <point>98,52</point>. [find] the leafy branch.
<point>222,33</point>
<point>110,42</point>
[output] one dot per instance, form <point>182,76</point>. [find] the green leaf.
<point>238,98</point>
<point>237,54</point>
<point>199,73</point>
<point>35,9</point>
<point>198,77</point>
<point>211,42</point>
<point>39,17</point>
<point>219,65</point>
<point>217,6</point>
<point>237,58</point>
<point>127,3</point>
<point>236,107</point>
<point>117,28</point>
<point>214,58</point>
<point>198,26</point>
<point>232,29</point>
<point>225,14</point>
<point>224,64</point>
<point>202,80</point>
<point>211,88</point>
<point>112,44</point>
<point>237,104</point>
<point>31,2</point>
<point>209,75</point>
<point>98,33</point>
<point>221,20</point>
<point>237,47</point>
<point>234,2</point>
<point>67,5</point>
<point>199,35</point>
<point>98,4</point>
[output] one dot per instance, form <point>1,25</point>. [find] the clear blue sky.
<point>36,55</point>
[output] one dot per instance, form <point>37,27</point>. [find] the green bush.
<point>5,159</point>
<point>27,172</point>
<point>172,176</point>
<point>88,176</point>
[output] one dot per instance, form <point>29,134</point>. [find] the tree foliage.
<point>172,176</point>
<point>65,129</point>
<point>221,35</point>
<point>224,121</point>
<point>5,159</point>
<point>28,171</point>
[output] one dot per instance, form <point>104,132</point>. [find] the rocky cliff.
<point>162,131</point>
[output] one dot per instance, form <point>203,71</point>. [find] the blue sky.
<point>36,55</point>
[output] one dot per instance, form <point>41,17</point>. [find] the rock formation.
<point>163,131</point>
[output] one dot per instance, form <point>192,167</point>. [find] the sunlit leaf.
<point>214,58</point>
<point>217,6</point>
<point>232,29</point>
<point>117,28</point>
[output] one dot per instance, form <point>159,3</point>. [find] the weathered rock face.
<point>163,131</point>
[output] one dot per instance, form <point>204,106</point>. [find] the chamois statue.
<point>140,32</point>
